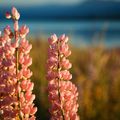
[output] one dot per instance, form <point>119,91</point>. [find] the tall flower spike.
<point>63,93</point>
<point>7,82</point>
<point>16,98</point>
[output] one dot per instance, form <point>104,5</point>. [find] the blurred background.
<point>93,27</point>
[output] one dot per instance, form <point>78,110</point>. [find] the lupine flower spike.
<point>16,98</point>
<point>63,93</point>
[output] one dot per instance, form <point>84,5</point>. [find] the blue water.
<point>81,33</point>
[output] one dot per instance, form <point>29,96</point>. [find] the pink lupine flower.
<point>65,63</point>
<point>63,94</point>
<point>7,30</point>
<point>65,75</point>
<point>7,84</point>
<point>24,30</point>
<point>16,98</point>
<point>26,73</point>
<point>25,46</point>
<point>53,39</point>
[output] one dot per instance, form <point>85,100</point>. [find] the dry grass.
<point>96,72</point>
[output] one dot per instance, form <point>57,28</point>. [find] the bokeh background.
<point>93,27</point>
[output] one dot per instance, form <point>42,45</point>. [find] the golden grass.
<point>96,72</point>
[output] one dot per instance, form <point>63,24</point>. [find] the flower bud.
<point>15,14</point>
<point>8,15</point>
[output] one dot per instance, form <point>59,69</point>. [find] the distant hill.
<point>86,10</point>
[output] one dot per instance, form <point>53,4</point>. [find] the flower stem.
<point>17,68</point>
<point>59,95</point>
<point>17,61</point>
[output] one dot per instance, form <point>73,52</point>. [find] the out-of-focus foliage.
<point>96,72</point>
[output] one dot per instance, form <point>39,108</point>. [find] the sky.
<point>45,2</point>
<point>40,2</point>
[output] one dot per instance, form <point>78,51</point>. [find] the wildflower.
<point>16,98</point>
<point>63,94</point>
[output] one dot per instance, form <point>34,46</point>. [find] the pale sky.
<point>38,2</point>
<point>45,2</point>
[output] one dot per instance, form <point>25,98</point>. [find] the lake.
<point>81,33</point>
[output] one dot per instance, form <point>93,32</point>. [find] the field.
<point>96,73</point>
